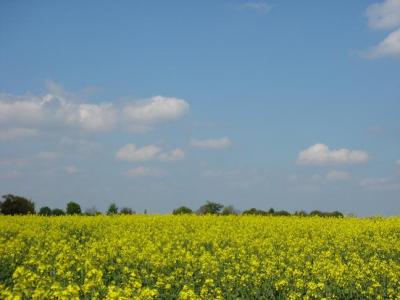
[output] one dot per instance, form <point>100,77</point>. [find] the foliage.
<point>112,209</point>
<point>182,211</point>
<point>45,211</point>
<point>254,211</point>
<point>73,208</point>
<point>229,210</point>
<point>16,205</point>
<point>57,212</point>
<point>207,257</point>
<point>126,211</point>
<point>210,208</point>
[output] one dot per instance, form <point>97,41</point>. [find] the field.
<point>199,257</point>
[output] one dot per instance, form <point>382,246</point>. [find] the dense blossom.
<point>198,257</point>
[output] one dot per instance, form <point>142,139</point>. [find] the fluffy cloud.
<point>59,109</point>
<point>52,110</point>
<point>97,117</point>
<point>390,47</point>
<point>17,133</point>
<point>384,15</point>
<point>158,109</point>
<point>336,175</point>
<point>145,172</point>
<point>132,153</point>
<point>173,155</point>
<point>320,154</point>
<point>220,143</point>
<point>20,111</point>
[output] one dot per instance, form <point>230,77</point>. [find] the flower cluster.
<point>198,257</point>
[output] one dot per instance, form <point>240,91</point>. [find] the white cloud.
<point>220,143</point>
<point>173,155</point>
<point>145,172</point>
<point>71,169</point>
<point>24,112</point>
<point>320,154</point>
<point>336,175</point>
<point>390,47</point>
<point>384,15</point>
<point>97,117</point>
<point>59,109</point>
<point>52,110</point>
<point>155,110</point>
<point>131,152</point>
<point>17,133</point>
<point>259,6</point>
<point>380,184</point>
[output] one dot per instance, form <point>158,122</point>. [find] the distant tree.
<point>16,205</point>
<point>301,213</point>
<point>182,211</point>
<point>91,211</point>
<point>254,211</point>
<point>112,209</point>
<point>281,213</point>
<point>229,210</point>
<point>73,208</point>
<point>126,211</point>
<point>271,211</point>
<point>211,208</point>
<point>316,213</point>
<point>335,214</point>
<point>57,212</point>
<point>145,212</point>
<point>45,211</point>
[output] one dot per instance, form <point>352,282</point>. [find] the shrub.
<point>183,210</point>
<point>57,212</point>
<point>45,211</point>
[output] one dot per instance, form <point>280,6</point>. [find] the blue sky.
<point>155,104</point>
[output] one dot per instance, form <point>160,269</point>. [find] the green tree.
<point>229,210</point>
<point>126,211</point>
<point>45,211</point>
<point>112,209</point>
<point>16,205</point>
<point>73,208</point>
<point>57,212</point>
<point>254,211</point>
<point>182,211</point>
<point>210,208</point>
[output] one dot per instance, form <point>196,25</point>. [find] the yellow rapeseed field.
<point>199,257</point>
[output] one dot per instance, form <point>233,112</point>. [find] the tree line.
<point>17,205</point>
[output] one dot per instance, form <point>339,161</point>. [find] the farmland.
<point>198,257</point>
